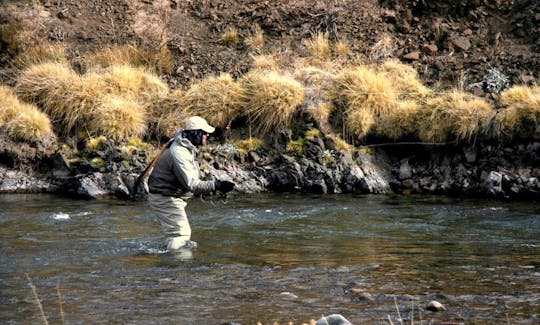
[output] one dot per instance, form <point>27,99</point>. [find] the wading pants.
<point>171,214</point>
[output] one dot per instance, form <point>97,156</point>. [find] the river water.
<point>272,258</point>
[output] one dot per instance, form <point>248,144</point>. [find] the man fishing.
<point>175,179</point>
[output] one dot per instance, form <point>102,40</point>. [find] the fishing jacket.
<point>177,173</point>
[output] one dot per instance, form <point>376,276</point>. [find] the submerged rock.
<point>334,319</point>
<point>435,306</point>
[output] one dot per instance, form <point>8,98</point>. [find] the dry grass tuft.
<point>318,46</point>
<point>271,99</point>
<point>137,82</point>
<point>168,114</point>
<point>383,49</point>
<point>400,120</point>
<point>255,41</point>
<point>363,94</point>
<point>453,116</point>
<point>217,99</point>
<point>521,112</point>
<point>41,53</point>
<point>9,104</point>
<point>405,80</point>
<point>250,144</point>
<point>342,50</point>
<point>118,118</point>
<point>230,37</point>
<point>263,62</point>
<point>95,143</point>
<point>30,124</point>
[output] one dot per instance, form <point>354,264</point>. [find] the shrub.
<point>118,118</point>
<point>271,99</point>
<point>217,99</point>
<point>168,114</point>
<point>453,116</point>
<point>521,112</point>
<point>363,95</point>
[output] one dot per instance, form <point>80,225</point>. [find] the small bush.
<point>137,82</point>
<point>453,116</point>
<point>9,104</point>
<point>520,114</point>
<point>271,99</point>
<point>263,62</point>
<point>399,121</point>
<point>168,115</point>
<point>217,99</point>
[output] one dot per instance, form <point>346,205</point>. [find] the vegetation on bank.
<point>117,94</point>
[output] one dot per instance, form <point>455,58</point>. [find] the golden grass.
<point>41,53</point>
<point>520,113</point>
<point>9,104</point>
<point>217,99</point>
<point>405,80</point>
<point>342,50</point>
<point>263,62</point>
<point>271,99</point>
<point>159,60</point>
<point>95,143</point>
<point>133,81</point>
<point>318,46</point>
<point>118,118</point>
<point>363,94</point>
<point>383,49</point>
<point>29,124</point>
<point>230,37</point>
<point>399,121</point>
<point>297,146</point>
<point>255,41</point>
<point>453,116</point>
<point>168,115</point>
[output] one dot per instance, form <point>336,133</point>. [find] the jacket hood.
<point>181,141</point>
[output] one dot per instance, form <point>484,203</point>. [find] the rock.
<point>334,319</point>
<point>412,56</point>
<point>461,42</point>
<point>494,183</point>
<point>288,295</point>
<point>435,306</point>
<point>470,154</point>
<point>430,49</point>
<point>361,295</point>
<point>405,170</point>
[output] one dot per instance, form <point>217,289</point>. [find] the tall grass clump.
<point>400,121</point>
<point>159,60</point>
<point>41,53</point>
<point>342,50</point>
<point>9,104</point>
<point>453,116</point>
<point>520,112</point>
<point>118,118</point>
<point>30,124</point>
<point>405,80</point>
<point>255,41</point>
<point>318,47</point>
<point>271,99</point>
<point>263,62</point>
<point>137,82</point>
<point>217,99</point>
<point>230,37</point>
<point>363,95</point>
<point>169,115</point>
<point>60,92</point>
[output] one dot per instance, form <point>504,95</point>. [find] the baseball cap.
<point>198,123</point>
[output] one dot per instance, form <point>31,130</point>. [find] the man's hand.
<point>224,186</point>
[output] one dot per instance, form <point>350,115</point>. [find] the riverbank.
<point>488,170</point>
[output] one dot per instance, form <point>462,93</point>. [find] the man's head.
<point>197,130</point>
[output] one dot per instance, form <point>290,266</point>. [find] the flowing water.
<point>272,258</point>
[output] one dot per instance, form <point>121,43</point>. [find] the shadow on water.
<point>272,258</point>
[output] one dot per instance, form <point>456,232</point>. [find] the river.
<point>272,257</point>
